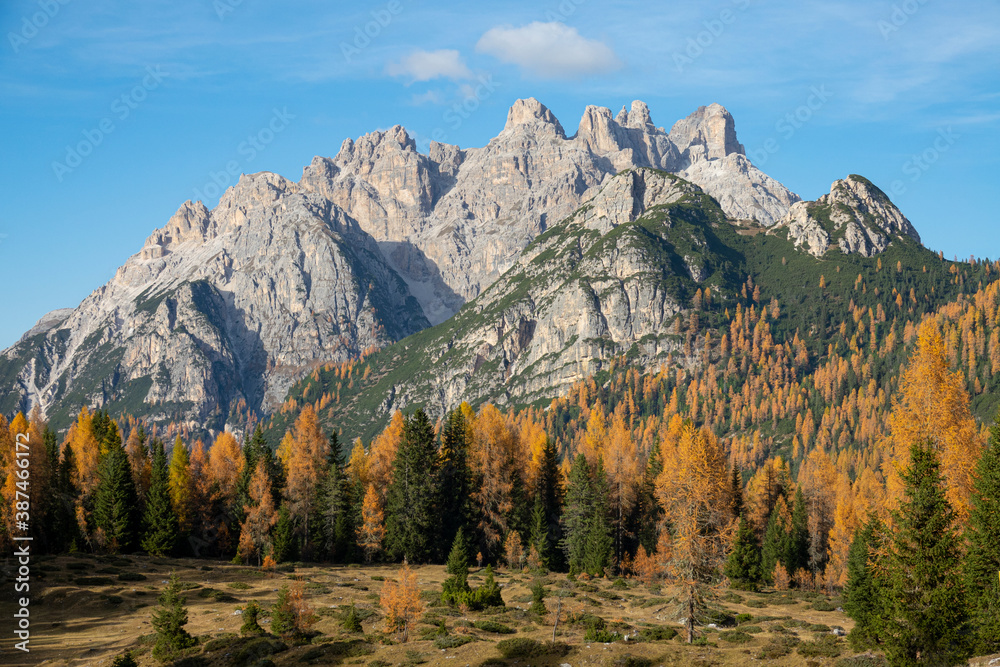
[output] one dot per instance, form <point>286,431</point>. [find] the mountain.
<point>222,311</point>
<point>856,217</point>
<point>648,270</point>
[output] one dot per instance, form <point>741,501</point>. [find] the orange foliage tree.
<point>401,603</point>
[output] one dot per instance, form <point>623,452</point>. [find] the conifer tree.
<point>796,552</point>
<point>865,591</point>
<point>336,515</point>
<point>115,501</point>
<point>180,485</point>
<point>927,615</point>
<point>576,518</point>
<point>410,519</point>
<point>981,565</point>
<point>538,539</point>
<point>772,550</point>
<point>457,584</point>
<point>160,521</point>
<point>169,621</point>
<point>599,540</point>
<point>549,493</point>
<point>454,478</point>
<point>650,512</point>
<point>283,543</point>
<point>743,565</point>
<point>736,489</point>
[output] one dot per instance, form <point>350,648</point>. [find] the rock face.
<point>612,279</point>
<point>453,221</point>
<point>231,305</point>
<point>856,217</point>
<point>219,307</point>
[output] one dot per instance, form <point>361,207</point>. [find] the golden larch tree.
<point>382,455</point>
<point>492,460</point>
<point>371,532</point>
<point>310,451</point>
<point>255,534</point>
<point>401,603</point>
<point>933,406</point>
<point>624,469</point>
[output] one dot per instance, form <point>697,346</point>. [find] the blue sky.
<point>166,97</point>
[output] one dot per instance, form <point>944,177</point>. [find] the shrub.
<point>291,615</point>
<point>825,647</point>
<point>239,585</point>
<point>453,641</point>
<point>251,627</point>
<point>125,660</point>
<point>538,599</point>
<point>720,618</point>
<point>743,618</point>
<point>778,647</point>
<point>661,633</point>
<point>823,605</point>
<point>632,661</point>
<point>352,622</point>
<point>863,660</point>
<point>751,629</point>
<point>756,604</point>
<point>93,581</point>
<point>735,637</point>
<point>492,626</point>
<point>131,576</point>
<point>521,647</point>
<point>255,650</point>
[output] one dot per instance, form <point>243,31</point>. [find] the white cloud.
<point>426,65</point>
<point>549,50</point>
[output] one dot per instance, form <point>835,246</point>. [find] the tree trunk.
<point>690,618</point>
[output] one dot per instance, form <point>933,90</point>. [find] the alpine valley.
<point>386,279</point>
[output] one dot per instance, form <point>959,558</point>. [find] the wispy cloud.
<point>423,65</point>
<point>549,50</point>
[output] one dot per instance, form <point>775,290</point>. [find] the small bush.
<point>521,647</point>
<point>256,649</point>
<point>756,604</point>
<point>660,633</point>
<point>239,585</point>
<point>352,622</point>
<point>825,647</point>
<point>78,566</point>
<point>735,637</point>
<point>125,660</point>
<point>823,605</point>
<point>632,661</point>
<point>93,581</point>
<point>778,647</point>
<point>492,626</point>
<point>251,626</point>
<point>722,619</point>
<point>620,584</point>
<point>751,629</point>
<point>743,618</point>
<point>131,576</point>
<point>454,641</point>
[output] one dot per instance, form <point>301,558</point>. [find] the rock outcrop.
<point>855,218</point>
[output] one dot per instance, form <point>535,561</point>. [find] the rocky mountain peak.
<point>708,133</point>
<point>856,217</point>
<point>532,112</point>
<point>191,222</point>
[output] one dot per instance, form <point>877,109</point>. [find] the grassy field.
<point>86,610</point>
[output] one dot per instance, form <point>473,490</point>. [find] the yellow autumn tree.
<point>693,490</point>
<point>310,451</point>
<point>137,450</point>
<point>595,439</point>
<point>933,406</point>
<point>86,453</point>
<point>371,532</point>
<point>261,515</point>
<point>401,603</point>
<point>382,455</point>
<point>180,485</point>
<point>845,522</point>
<point>492,458</point>
<point>624,470</point>
<point>357,465</point>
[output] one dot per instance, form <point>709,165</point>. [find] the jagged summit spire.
<point>530,111</point>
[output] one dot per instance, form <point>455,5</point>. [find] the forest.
<point>860,469</point>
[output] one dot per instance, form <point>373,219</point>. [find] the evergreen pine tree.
<point>457,584</point>
<point>927,621</point>
<point>865,592</point>
<point>981,566</point>
<point>336,520</point>
<point>549,490</point>
<point>539,536</point>
<point>160,522</point>
<point>538,599</point>
<point>743,565</point>
<point>599,540</point>
<point>410,519</point>
<point>115,500</point>
<point>284,536</point>
<point>774,546</point>
<point>649,512</point>
<point>576,518</point>
<point>251,626</point>
<point>454,479</point>
<point>169,621</point>
<point>796,552</point>
<point>736,489</point>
